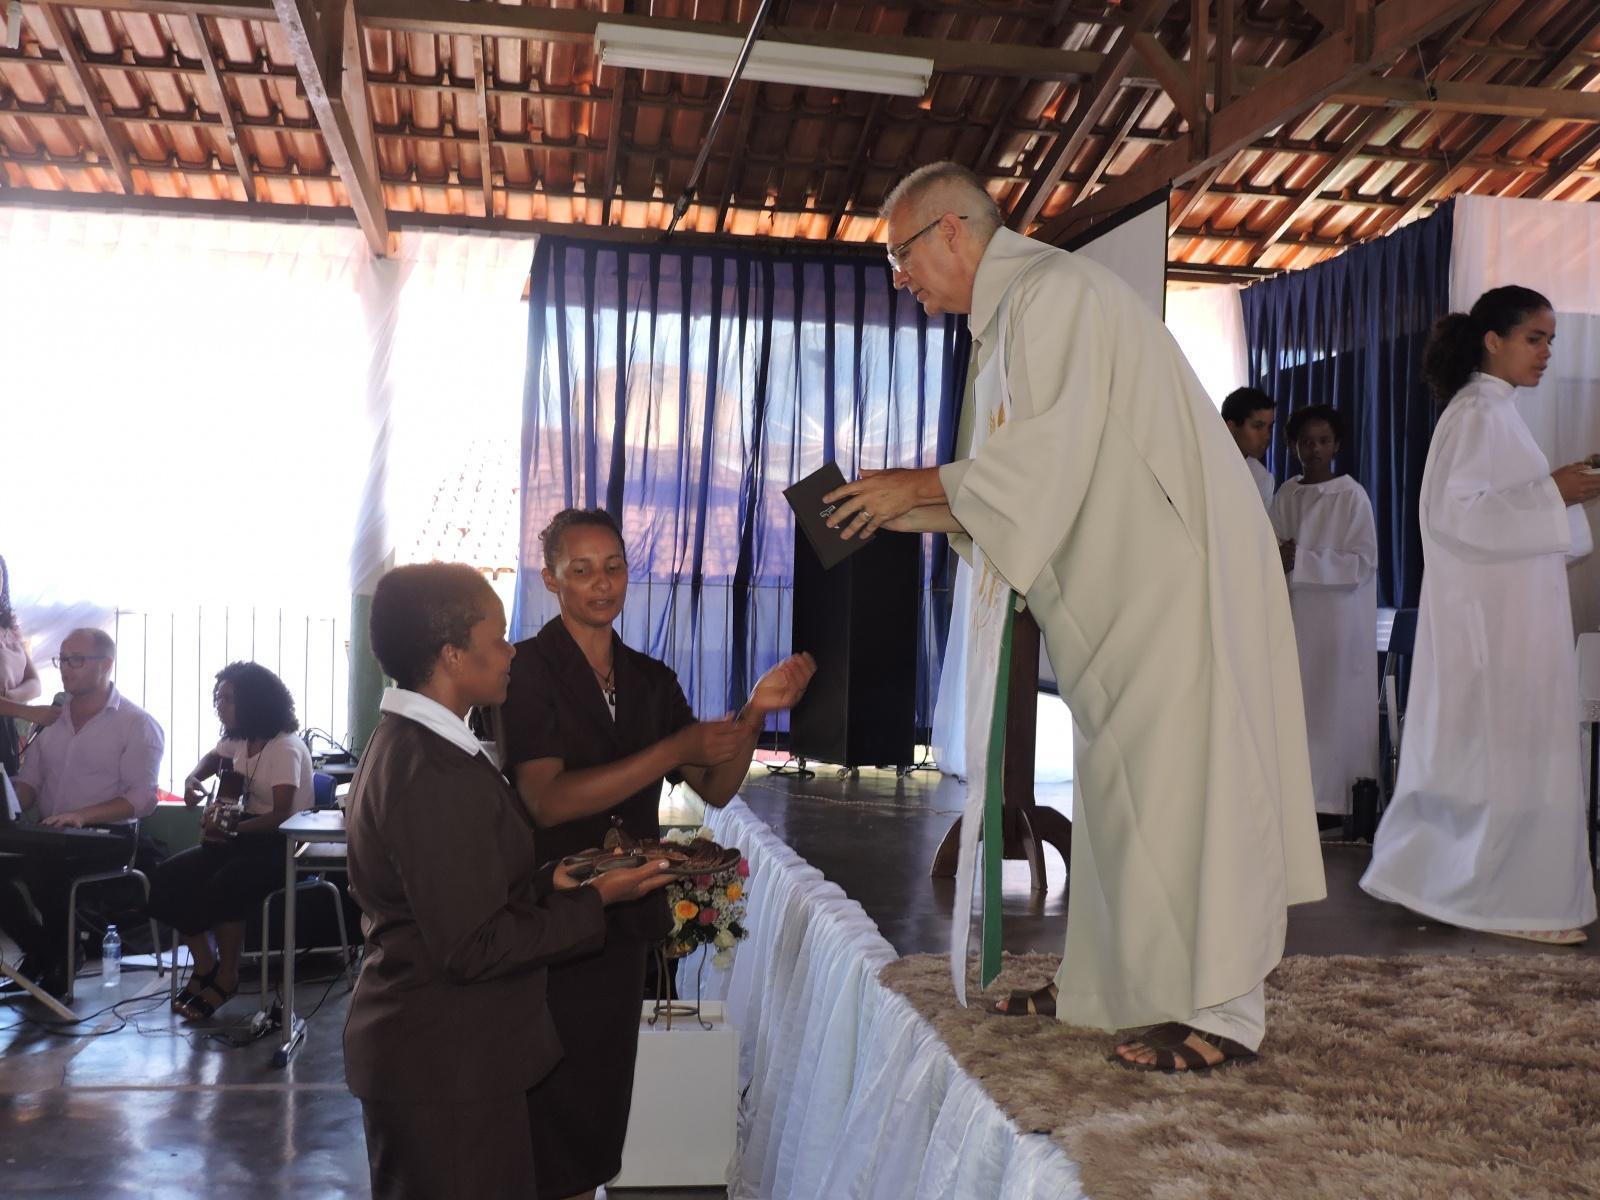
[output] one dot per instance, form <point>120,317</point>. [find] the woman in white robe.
<point>1485,830</point>
<point>1330,550</point>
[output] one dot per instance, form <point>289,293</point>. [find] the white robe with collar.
<point>1333,592</point>
<point>1118,504</point>
<point>1486,828</point>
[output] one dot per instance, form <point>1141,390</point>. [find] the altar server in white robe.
<point>1486,829</point>
<point>1330,554</point>
<point>1113,499</point>
<point>1249,413</point>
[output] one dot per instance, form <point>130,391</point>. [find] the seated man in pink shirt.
<point>97,765</point>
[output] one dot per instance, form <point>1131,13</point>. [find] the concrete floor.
<point>151,1108</point>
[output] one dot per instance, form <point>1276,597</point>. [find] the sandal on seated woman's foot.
<point>201,1008</point>
<point>1040,1003</point>
<point>1174,1057</point>
<point>193,986</point>
<point>1547,937</point>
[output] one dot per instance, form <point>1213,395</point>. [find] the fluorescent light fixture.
<point>13,37</point>
<point>770,62</point>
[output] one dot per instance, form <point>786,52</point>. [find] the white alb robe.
<point>1118,505</point>
<point>1263,480</point>
<point>1486,829</point>
<point>1333,591</point>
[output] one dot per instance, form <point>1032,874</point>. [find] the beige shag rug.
<point>1423,1077</point>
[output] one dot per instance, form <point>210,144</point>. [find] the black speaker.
<point>859,621</point>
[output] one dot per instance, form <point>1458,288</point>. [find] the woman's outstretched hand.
<point>783,685</point>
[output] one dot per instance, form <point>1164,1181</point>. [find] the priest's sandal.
<point>196,984</point>
<point>1040,1003</point>
<point>1546,937</point>
<point>1174,1056</point>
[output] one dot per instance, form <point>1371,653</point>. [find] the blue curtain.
<point>1350,332</point>
<point>682,390</point>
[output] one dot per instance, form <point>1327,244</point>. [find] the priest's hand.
<point>929,518</point>
<point>1576,483</point>
<point>783,685</point>
<point>1286,552</point>
<point>862,507</point>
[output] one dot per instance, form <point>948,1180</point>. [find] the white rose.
<point>725,940</point>
<point>722,960</point>
<point>705,831</point>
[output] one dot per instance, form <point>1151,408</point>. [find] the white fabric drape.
<point>1550,247</point>
<point>1208,323</point>
<point>849,1093</point>
<point>213,414</point>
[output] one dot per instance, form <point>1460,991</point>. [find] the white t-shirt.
<point>283,760</point>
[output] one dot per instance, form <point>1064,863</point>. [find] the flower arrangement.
<point>707,910</point>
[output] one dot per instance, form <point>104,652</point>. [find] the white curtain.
<point>237,418</point>
<point>1553,248</point>
<point>1208,323</point>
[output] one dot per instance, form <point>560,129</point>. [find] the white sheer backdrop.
<point>219,426</point>
<point>1553,248</point>
<point>1208,323</point>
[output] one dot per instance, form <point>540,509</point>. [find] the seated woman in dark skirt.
<point>448,1027</point>
<point>208,891</point>
<point>591,730</point>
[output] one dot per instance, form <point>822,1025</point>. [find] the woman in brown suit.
<point>448,1026</point>
<point>591,730</point>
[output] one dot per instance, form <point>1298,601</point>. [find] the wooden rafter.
<point>480,88</point>
<point>1136,111</point>
<point>1329,12</point>
<point>1553,67</point>
<point>230,129</point>
<point>858,165</point>
<point>109,141</point>
<point>1172,78</point>
<point>314,46</point>
<point>1565,166</point>
<point>1176,216</point>
<point>613,145</point>
<point>741,137</point>
<point>1309,80</point>
<point>1223,53</point>
<point>1092,101</point>
<point>1312,188</point>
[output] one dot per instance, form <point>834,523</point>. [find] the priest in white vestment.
<point>1324,523</point>
<point>1486,827</point>
<point>1113,500</point>
<point>1249,413</point>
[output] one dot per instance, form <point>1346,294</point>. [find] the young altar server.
<point>1330,553</point>
<point>1486,829</point>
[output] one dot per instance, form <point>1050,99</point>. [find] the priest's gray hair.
<point>943,187</point>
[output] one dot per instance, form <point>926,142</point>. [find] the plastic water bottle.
<point>111,958</point>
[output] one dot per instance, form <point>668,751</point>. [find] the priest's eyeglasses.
<point>897,254</point>
<point>74,661</point>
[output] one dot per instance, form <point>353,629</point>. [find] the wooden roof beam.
<point>317,41</point>
<point>108,141</point>
<point>1307,81</point>
<point>1312,190</point>
<point>858,165</point>
<point>480,89</point>
<point>230,129</point>
<point>1093,98</point>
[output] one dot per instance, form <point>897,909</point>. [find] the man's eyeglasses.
<point>897,254</point>
<point>75,661</point>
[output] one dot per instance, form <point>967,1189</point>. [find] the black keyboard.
<point>18,838</point>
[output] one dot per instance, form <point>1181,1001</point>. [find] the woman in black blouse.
<point>592,728</point>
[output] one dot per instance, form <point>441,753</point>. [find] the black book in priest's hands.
<point>811,515</point>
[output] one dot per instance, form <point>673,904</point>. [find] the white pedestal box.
<point>683,1128</point>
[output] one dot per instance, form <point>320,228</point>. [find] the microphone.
<point>56,701</point>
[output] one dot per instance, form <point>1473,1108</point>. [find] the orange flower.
<point>734,891</point>
<point>685,910</point>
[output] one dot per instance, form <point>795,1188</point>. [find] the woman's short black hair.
<point>573,518</point>
<point>262,705</point>
<point>1325,413</point>
<point>1242,402</point>
<point>419,610</point>
<point>1455,345</point>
